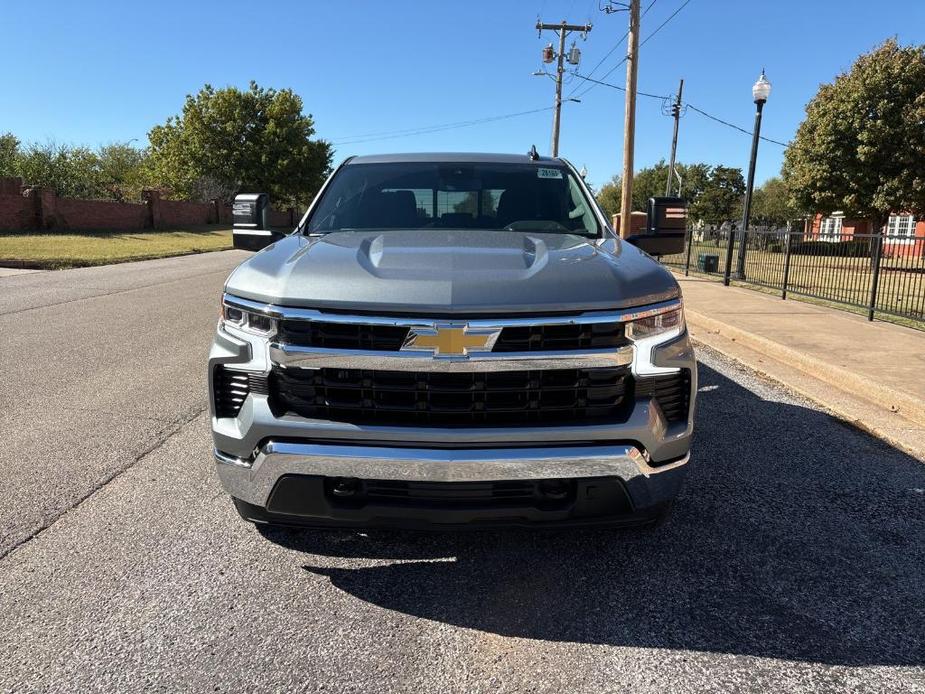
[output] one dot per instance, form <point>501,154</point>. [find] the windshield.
<point>427,195</point>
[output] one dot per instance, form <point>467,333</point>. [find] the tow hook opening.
<point>345,487</point>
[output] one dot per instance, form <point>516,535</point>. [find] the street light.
<point>760,92</point>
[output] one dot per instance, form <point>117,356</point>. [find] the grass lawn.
<point>55,250</point>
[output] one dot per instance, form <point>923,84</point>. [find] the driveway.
<point>793,561</point>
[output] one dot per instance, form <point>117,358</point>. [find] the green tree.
<point>9,150</point>
<point>122,171</point>
<point>232,140</point>
<point>695,179</point>
<point>647,182</point>
<point>609,196</point>
<point>72,171</point>
<point>861,147</point>
<point>721,198</point>
<point>771,204</point>
<point>713,193</point>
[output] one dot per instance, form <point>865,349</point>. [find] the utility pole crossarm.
<point>583,28</point>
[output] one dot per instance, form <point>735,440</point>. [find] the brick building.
<point>905,235</point>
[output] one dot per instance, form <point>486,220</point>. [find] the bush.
<point>852,248</point>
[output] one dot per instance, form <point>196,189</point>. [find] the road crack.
<point>162,438</point>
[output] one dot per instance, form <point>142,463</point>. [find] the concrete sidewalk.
<point>869,373</point>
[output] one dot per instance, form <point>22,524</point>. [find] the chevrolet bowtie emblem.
<point>451,341</point>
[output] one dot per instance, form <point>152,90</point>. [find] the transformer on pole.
<point>573,57</point>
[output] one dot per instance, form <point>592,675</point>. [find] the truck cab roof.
<point>456,157</point>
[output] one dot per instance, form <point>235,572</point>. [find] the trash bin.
<point>708,262</point>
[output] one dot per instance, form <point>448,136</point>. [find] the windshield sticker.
<point>548,173</point>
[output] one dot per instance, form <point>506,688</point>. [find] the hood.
<point>452,271</point>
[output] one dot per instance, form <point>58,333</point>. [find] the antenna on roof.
<point>533,154</point>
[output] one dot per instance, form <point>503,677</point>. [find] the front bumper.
<point>645,455</point>
<point>290,483</point>
<point>253,481</point>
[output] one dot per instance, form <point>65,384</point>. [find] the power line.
<point>686,105</point>
<point>642,43</point>
<point>601,61</point>
<point>732,125</point>
<point>424,130</point>
<point>610,52</point>
<point>662,25</point>
<point>660,97</point>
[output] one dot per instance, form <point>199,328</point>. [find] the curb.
<point>898,432</point>
<point>905,405</point>
<point>21,264</point>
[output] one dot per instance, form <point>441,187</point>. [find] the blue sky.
<point>98,72</point>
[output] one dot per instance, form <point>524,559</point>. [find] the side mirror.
<point>250,222</point>
<point>666,227</point>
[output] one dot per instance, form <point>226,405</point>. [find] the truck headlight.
<point>248,321</point>
<point>671,320</point>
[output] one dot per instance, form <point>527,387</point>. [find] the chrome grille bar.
<point>296,313</point>
<point>295,356</point>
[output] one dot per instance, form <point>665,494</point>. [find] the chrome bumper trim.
<point>294,356</point>
<point>253,481</point>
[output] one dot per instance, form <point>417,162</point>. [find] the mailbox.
<point>250,221</point>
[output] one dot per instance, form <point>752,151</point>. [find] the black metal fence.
<point>881,274</point>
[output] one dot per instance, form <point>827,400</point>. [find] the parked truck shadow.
<point>796,537</point>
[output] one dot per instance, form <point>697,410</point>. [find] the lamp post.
<point>760,92</point>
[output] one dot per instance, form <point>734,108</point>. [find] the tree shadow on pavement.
<point>796,537</point>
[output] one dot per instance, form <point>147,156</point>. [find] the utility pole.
<point>676,114</point>
<point>629,120</point>
<point>574,55</point>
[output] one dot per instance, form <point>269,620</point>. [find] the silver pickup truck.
<point>448,340</point>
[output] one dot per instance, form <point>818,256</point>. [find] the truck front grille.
<point>551,338</point>
<point>386,338</point>
<point>496,398</point>
<point>482,494</point>
<point>390,338</point>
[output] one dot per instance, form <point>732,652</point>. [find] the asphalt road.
<point>793,562</point>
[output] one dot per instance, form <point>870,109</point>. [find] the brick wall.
<point>16,212</point>
<point>96,214</point>
<point>10,185</point>
<point>177,213</point>
<point>23,207</point>
<point>223,212</point>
